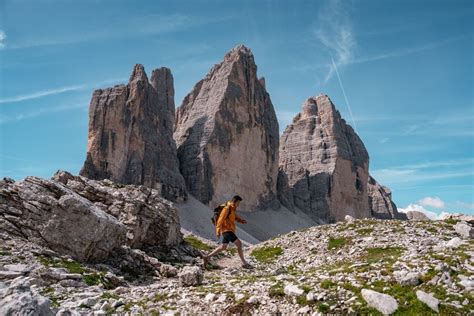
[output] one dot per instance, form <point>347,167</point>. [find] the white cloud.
<point>40,94</point>
<point>435,202</point>
<point>3,36</point>
<point>40,111</point>
<point>335,32</point>
<point>419,208</point>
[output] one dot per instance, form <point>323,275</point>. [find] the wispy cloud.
<point>335,32</point>
<point>410,50</point>
<point>3,37</point>
<point>40,111</point>
<point>40,94</point>
<point>425,171</point>
<point>345,95</point>
<point>134,26</point>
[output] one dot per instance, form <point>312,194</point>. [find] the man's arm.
<point>220,220</point>
<point>240,220</point>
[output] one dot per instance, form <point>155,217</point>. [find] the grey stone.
<point>18,299</point>
<point>191,276</point>
<point>428,299</point>
<point>293,290</point>
<point>52,215</point>
<point>464,230</point>
<point>149,219</point>
<point>384,303</point>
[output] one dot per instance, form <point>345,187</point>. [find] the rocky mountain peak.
<point>227,134</point>
<point>138,73</point>
<point>131,134</point>
<point>323,164</point>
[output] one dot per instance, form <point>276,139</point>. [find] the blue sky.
<point>404,78</point>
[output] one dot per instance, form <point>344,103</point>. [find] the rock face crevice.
<point>227,135</point>
<point>131,134</point>
<point>323,165</point>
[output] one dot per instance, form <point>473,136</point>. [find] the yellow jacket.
<point>227,224</point>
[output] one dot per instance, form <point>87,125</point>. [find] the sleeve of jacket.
<point>220,220</point>
<point>238,219</point>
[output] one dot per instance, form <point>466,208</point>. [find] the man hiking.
<point>225,226</point>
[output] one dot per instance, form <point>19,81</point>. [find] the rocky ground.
<point>353,267</point>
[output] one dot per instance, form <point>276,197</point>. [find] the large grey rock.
<point>293,290</point>
<point>131,134</point>
<point>50,214</point>
<point>19,300</point>
<point>227,135</point>
<point>384,303</point>
<point>428,299</point>
<point>150,220</point>
<point>464,230</point>
<point>323,164</point>
<point>191,275</point>
<point>380,201</point>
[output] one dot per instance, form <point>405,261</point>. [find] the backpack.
<point>217,213</point>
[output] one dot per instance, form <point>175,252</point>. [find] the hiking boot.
<point>247,266</point>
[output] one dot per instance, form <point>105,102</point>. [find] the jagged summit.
<point>227,134</point>
<point>130,134</point>
<point>323,164</point>
<point>138,73</point>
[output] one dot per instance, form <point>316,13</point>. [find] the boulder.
<point>323,165</point>
<point>131,134</point>
<point>150,220</point>
<point>52,215</point>
<point>384,303</point>
<point>191,276</point>
<point>455,242</point>
<point>428,299</point>
<point>227,135</point>
<point>407,278</point>
<point>18,299</point>
<point>293,290</point>
<point>464,230</point>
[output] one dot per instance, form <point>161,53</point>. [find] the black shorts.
<point>228,237</point>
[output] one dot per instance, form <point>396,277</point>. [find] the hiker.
<point>225,226</point>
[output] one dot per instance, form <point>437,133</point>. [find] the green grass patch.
<point>326,284</point>
<point>197,243</point>
<point>365,231</point>
<point>266,254</point>
<point>323,308</point>
<point>336,243</point>
<point>382,254</point>
<point>451,221</point>
<point>70,265</point>
<point>108,295</point>
<point>276,290</point>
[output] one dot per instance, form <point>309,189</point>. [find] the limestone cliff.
<point>131,134</point>
<point>227,135</point>
<point>323,164</point>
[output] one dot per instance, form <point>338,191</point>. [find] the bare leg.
<point>214,252</point>
<point>238,243</point>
